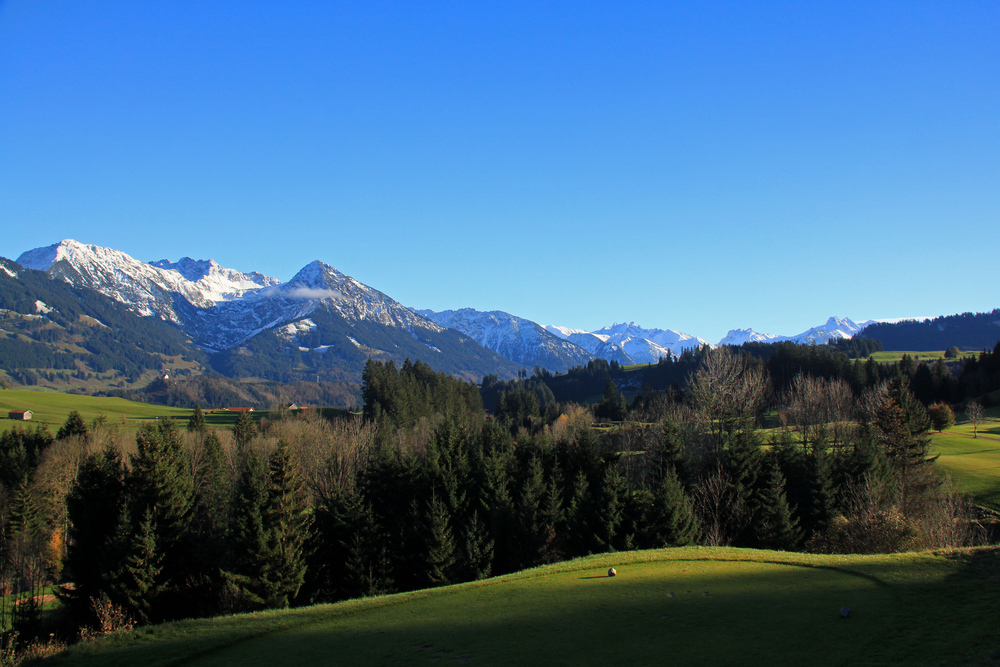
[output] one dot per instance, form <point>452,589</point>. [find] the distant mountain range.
<point>323,324</point>
<point>835,327</point>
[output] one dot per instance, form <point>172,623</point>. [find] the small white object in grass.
<point>612,571</point>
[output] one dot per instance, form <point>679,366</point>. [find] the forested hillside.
<point>53,331</point>
<point>967,331</point>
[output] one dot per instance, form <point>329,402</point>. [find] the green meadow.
<point>974,463</point>
<point>52,408</point>
<point>687,606</point>
<point>918,355</point>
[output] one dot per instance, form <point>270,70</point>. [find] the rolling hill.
<point>687,606</point>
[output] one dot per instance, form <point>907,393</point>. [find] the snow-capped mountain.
<point>629,343</point>
<point>515,338</point>
<point>835,327</point>
<point>646,346</point>
<point>600,347</point>
<point>146,288</point>
<point>319,309</point>
<point>740,336</point>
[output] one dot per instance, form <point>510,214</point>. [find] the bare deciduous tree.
<point>727,393</point>
<point>974,413</point>
<point>818,405</point>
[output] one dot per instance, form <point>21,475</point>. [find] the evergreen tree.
<point>478,549</point>
<point>136,585</point>
<point>161,483</point>
<point>248,537</point>
<point>74,425</point>
<point>24,516</point>
<point>209,526</point>
<point>95,506</point>
<point>822,493</point>
<point>440,544</point>
<point>244,431</point>
<point>368,565</point>
<point>336,523</point>
<point>671,521</point>
<point>609,509</point>
<point>287,528</point>
<point>196,423</point>
<point>775,527</point>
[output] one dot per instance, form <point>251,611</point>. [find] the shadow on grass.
<point>910,609</point>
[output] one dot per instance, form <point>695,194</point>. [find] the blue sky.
<point>694,166</point>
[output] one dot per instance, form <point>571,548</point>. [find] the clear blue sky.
<point>694,166</point>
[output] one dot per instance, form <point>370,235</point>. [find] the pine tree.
<point>440,544</point>
<point>137,583</point>
<point>196,423</point>
<point>672,522</point>
<point>478,549</point>
<point>74,425</point>
<point>248,536</point>
<point>335,523</point>
<point>822,493</point>
<point>209,526</point>
<point>244,431</point>
<point>609,510</point>
<point>529,505</point>
<point>95,509</point>
<point>161,482</point>
<point>287,525</point>
<point>775,527</point>
<point>24,516</point>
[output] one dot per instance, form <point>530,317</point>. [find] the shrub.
<point>941,416</point>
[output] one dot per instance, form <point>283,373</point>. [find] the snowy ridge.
<point>520,340</point>
<point>562,332</point>
<point>220,307</point>
<point>148,289</point>
<point>834,328</point>
<point>646,346</point>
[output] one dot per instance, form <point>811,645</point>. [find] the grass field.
<point>919,355</point>
<point>52,408</point>
<point>689,606</point>
<point>972,462</point>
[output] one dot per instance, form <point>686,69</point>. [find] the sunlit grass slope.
<point>690,606</point>
<point>974,463</point>
<point>52,408</point>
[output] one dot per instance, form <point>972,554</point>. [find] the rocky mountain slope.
<point>835,327</point>
<point>515,338</point>
<point>321,323</point>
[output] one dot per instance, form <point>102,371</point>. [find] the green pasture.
<point>687,606</point>
<point>972,462</point>
<point>52,408</point>
<point>919,355</point>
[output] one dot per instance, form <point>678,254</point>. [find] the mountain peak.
<point>41,259</point>
<point>316,274</point>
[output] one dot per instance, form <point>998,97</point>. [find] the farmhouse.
<point>20,415</point>
<point>240,409</point>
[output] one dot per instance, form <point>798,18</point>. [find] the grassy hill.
<point>52,408</point>
<point>697,605</point>
<point>973,462</point>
